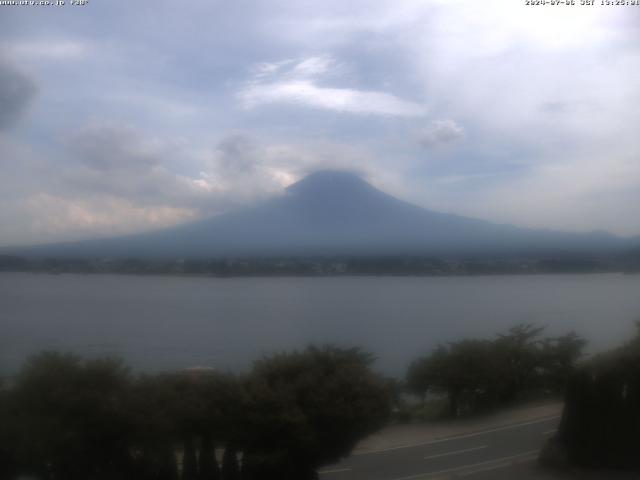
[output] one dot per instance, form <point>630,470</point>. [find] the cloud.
<point>239,169</point>
<point>16,91</point>
<point>569,107</point>
<point>121,161</point>
<point>236,155</point>
<point>107,146</point>
<point>245,168</point>
<point>51,50</point>
<point>295,84</point>
<point>580,193</point>
<point>440,132</point>
<point>62,218</point>
<point>344,100</point>
<point>318,66</point>
<point>103,215</point>
<point>314,66</point>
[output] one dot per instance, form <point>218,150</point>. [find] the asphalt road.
<point>507,452</point>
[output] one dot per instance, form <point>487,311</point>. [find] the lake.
<point>158,323</point>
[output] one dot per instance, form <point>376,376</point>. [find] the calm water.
<point>172,322</point>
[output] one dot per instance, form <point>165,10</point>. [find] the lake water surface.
<point>159,323</point>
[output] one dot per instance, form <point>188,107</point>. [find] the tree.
<point>418,378</point>
<point>559,360</point>
<point>222,409</point>
<point>224,405</point>
<point>476,374</point>
<point>155,408</point>
<point>309,408</point>
<point>208,465</point>
<point>519,358</point>
<point>601,420</point>
<point>7,437</point>
<point>72,418</point>
<point>463,370</point>
<point>189,460</point>
<point>69,418</point>
<point>230,467</point>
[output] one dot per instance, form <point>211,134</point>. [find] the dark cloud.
<point>125,163</point>
<point>440,132</point>
<point>105,146</point>
<point>16,91</point>
<point>236,154</point>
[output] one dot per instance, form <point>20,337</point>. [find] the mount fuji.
<point>337,213</point>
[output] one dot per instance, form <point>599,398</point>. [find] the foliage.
<point>431,409</point>
<point>310,408</point>
<point>559,357</point>
<point>230,467</point>
<point>478,374</point>
<point>7,440</point>
<point>519,357</point>
<point>69,418</point>
<point>208,468</point>
<point>601,420</point>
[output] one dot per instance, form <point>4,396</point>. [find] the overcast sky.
<point>120,116</point>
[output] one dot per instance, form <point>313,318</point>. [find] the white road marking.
<point>457,437</point>
<point>549,432</point>
<point>335,470</point>
<point>522,459</point>
<point>456,452</point>
<point>467,469</point>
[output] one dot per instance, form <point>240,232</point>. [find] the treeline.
<point>476,375</point>
<point>600,425</point>
<point>319,266</point>
<point>66,418</point>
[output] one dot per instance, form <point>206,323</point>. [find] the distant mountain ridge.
<point>337,213</point>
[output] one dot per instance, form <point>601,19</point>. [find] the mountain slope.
<point>330,213</point>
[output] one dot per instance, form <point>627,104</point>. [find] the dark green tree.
<point>480,374</point>
<point>309,408</point>
<point>559,357</point>
<point>224,406</point>
<point>464,371</point>
<point>418,379</point>
<point>73,418</point>
<point>166,468</point>
<point>7,436</point>
<point>230,467</point>
<point>189,460</point>
<point>155,408</point>
<point>208,465</point>
<point>519,354</point>
<point>600,424</point>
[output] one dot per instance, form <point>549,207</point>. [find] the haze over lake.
<point>157,323</point>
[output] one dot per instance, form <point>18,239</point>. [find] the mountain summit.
<point>332,183</point>
<point>336,213</point>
